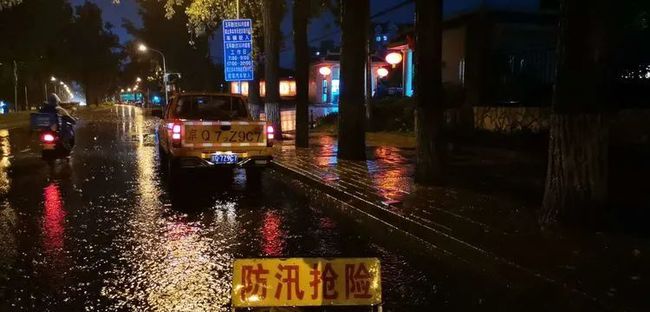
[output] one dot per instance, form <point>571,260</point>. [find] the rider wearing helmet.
<point>53,105</point>
<point>65,123</point>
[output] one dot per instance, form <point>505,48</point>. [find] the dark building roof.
<point>539,18</point>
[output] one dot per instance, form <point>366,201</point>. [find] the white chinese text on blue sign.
<point>238,49</point>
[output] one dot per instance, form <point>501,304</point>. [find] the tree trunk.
<point>88,93</point>
<point>354,52</point>
<point>369,103</point>
<point>254,97</point>
<point>271,15</point>
<point>301,11</point>
<point>431,149</point>
<point>576,182</point>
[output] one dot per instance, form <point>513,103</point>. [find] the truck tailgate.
<point>224,133</point>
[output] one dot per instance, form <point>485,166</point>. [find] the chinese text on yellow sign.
<point>306,282</point>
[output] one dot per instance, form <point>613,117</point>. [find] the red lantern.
<point>382,72</point>
<point>394,58</point>
<point>325,71</point>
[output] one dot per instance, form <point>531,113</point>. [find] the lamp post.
<point>144,48</point>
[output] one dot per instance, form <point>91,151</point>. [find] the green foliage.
<point>204,16</point>
<point>394,114</point>
<point>48,37</point>
<point>185,54</point>
<point>94,52</point>
<point>4,4</point>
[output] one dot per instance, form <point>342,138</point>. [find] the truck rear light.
<point>177,134</point>
<point>270,136</point>
<point>48,138</point>
<point>270,133</point>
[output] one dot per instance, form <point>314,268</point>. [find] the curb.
<point>436,242</point>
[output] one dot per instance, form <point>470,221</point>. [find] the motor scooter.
<point>56,134</point>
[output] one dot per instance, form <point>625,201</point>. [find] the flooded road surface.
<point>102,231</point>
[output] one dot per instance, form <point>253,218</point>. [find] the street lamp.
<point>143,48</point>
<point>53,79</point>
<point>138,79</point>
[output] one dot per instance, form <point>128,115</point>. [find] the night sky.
<point>127,9</point>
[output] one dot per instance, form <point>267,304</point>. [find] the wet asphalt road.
<point>102,232</point>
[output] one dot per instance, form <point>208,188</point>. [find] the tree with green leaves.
<point>36,48</point>
<point>430,153</point>
<point>5,4</point>
<point>204,16</point>
<point>96,52</point>
<point>354,55</point>
<point>186,53</point>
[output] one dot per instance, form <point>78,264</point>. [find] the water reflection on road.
<point>105,232</point>
<point>8,250</point>
<point>5,162</point>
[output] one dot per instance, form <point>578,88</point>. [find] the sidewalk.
<point>14,120</point>
<point>494,231</point>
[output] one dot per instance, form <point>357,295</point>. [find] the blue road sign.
<point>238,49</point>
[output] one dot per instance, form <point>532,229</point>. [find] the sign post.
<point>238,50</point>
<point>301,282</point>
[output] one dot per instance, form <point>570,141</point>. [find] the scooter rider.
<point>66,121</point>
<point>53,105</point>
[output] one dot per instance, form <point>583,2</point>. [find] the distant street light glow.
<point>394,58</point>
<point>325,71</point>
<point>143,48</point>
<point>52,78</point>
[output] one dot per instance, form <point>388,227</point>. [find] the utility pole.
<point>26,99</point>
<point>15,85</point>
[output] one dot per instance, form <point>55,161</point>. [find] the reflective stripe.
<point>224,144</point>
<point>222,123</point>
